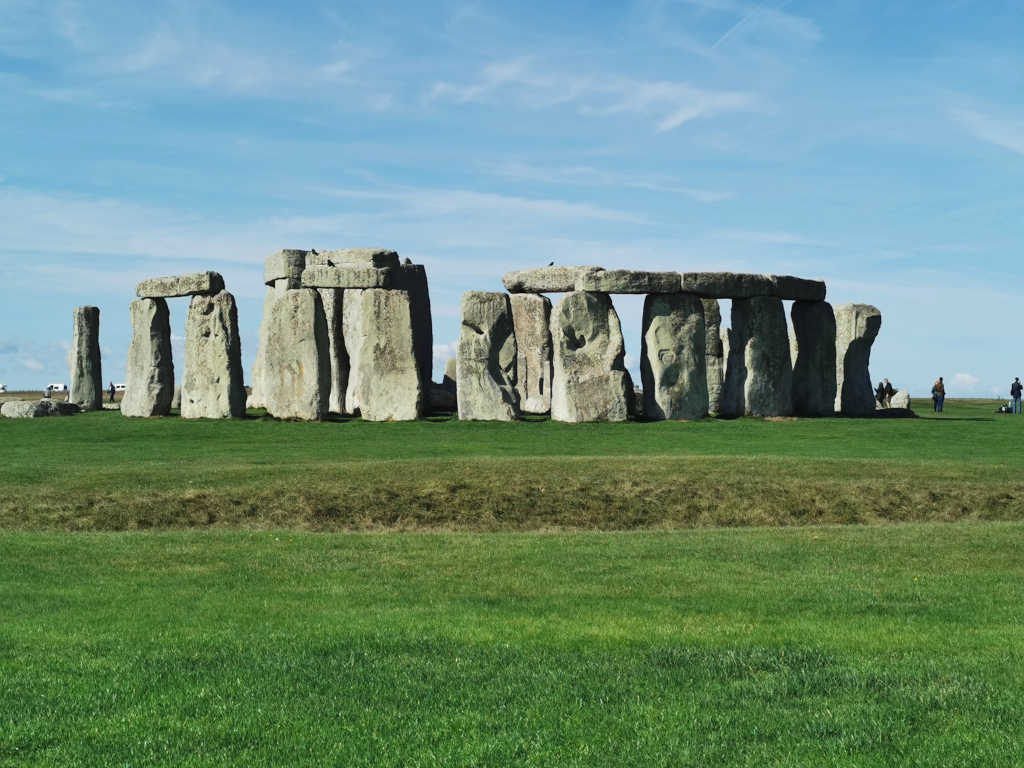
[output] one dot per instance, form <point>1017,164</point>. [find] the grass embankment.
<point>102,471</point>
<point>860,646</point>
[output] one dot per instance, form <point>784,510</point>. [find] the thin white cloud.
<point>522,82</point>
<point>588,176</point>
<point>772,238</point>
<point>1005,133</point>
<point>966,383</point>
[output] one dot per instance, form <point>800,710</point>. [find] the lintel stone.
<point>196,284</point>
<point>628,281</point>
<point>286,264</point>
<point>729,285</point>
<point>323,276</point>
<point>545,279</point>
<point>355,257</point>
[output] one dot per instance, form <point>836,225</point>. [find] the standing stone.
<point>412,278</point>
<point>297,378</point>
<point>84,360</point>
<point>450,374</point>
<point>387,379</point>
<point>531,316</point>
<point>673,368</point>
<point>257,399</point>
<point>730,403</point>
<point>589,381</point>
<point>149,374</point>
<point>333,301</point>
<point>814,371</point>
<point>486,359</point>
<point>759,374</point>
<point>212,386</point>
<point>352,332</point>
<point>857,327</point>
<point>715,354</point>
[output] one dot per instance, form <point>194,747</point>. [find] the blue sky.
<point>877,145</point>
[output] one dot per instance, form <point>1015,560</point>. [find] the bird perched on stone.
<point>551,263</point>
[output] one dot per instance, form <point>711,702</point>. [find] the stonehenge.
<point>84,360</point>
<point>589,379</point>
<point>814,364</point>
<point>673,365</point>
<point>857,326</point>
<point>486,359</point>
<point>531,319</point>
<point>212,386</point>
<point>350,332</point>
<point>149,375</point>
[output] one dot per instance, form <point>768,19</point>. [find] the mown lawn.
<point>851,646</point>
<point>100,471</point>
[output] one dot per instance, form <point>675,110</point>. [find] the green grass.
<point>850,646</point>
<point>100,471</point>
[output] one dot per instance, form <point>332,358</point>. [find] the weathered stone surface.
<point>628,281</point>
<point>358,257</point>
<point>36,409</point>
<point>386,377</point>
<point>759,373</point>
<point>84,360</point>
<point>256,398</point>
<point>673,368</point>
<point>297,377</point>
<point>285,265</point>
<point>729,285</point>
<point>714,353</point>
<point>590,382</point>
<point>857,327</point>
<point>486,359</point>
<point>450,374</point>
<point>531,316</point>
<point>212,386</point>
<point>176,399</point>
<point>348,276</point>
<point>545,279</point>
<point>814,370</point>
<point>352,332</point>
<point>900,400</point>
<point>412,278</point>
<point>149,372</point>
<point>333,300</point>
<point>196,284</point>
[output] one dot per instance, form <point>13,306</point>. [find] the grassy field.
<point>168,599</point>
<point>100,471</point>
<point>838,646</point>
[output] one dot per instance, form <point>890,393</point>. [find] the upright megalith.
<point>714,354</point>
<point>195,284</point>
<point>412,278</point>
<point>386,380</point>
<point>814,369</point>
<point>352,332</point>
<point>672,357</point>
<point>256,398</point>
<point>149,373</point>
<point>486,359</point>
<point>857,327</point>
<point>333,301</point>
<point>84,360</point>
<point>212,386</point>
<point>590,381</point>
<point>297,376</point>
<point>531,316</point>
<point>759,373</point>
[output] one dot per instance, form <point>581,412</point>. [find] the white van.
<point>3,387</point>
<point>59,387</point>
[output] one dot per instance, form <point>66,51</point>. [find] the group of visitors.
<point>938,395</point>
<point>883,393</point>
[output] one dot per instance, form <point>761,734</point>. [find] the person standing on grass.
<point>889,392</point>
<point>880,394</point>
<point>1016,389</point>
<point>939,394</point>
<point>111,390</point>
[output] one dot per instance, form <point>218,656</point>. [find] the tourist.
<point>889,392</point>
<point>49,391</point>
<point>111,390</point>
<point>1015,392</point>
<point>880,395</point>
<point>938,394</point>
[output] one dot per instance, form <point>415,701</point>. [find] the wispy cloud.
<point>1005,133</point>
<point>523,82</point>
<point>772,238</point>
<point>589,176</point>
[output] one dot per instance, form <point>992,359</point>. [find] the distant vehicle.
<point>3,387</point>
<point>59,387</point>
<point>119,387</point>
